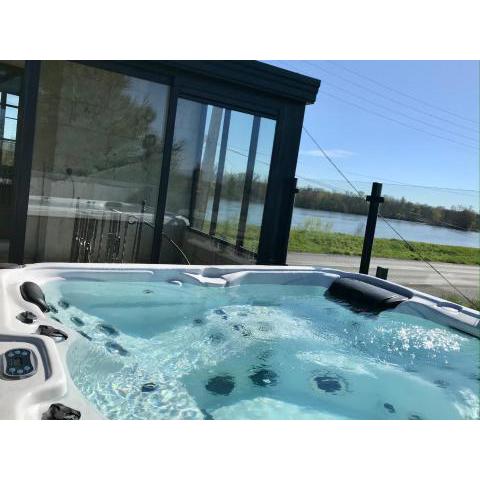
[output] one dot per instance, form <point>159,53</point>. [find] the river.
<point>355,225</point>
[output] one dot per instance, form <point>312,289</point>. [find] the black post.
<point>375,199</point>
<point>382,273</point>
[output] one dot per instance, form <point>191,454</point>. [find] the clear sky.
<point>431,144</point>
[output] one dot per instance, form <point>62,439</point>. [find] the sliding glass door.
<point>97,158</point>
<point>217,185</point>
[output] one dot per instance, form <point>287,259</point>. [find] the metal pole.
<point>375,199</point>
<point>382,273</point>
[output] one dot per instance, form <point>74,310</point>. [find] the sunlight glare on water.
<point>158,350</point>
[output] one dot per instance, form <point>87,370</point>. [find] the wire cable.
<point>459,191</point>
<point>421,219</point>
<point>374,92</point>
<point>338,190</point>
<point>396,112</point>
<point>401,93</point>
<point>400,122</point>
<point>389,181</point>
<point>427,262</point>
<point>177,248</point>
<point>408,245</point>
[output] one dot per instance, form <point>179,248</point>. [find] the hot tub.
<point>198,342</point>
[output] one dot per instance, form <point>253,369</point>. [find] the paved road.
<point>410,273</point>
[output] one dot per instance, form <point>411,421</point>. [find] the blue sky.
<point>368,147</point>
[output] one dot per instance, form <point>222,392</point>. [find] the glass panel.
<point>12,99</point>
<point>259,183</point>
<point>233,182</point>
<point>11,112</point>
<point>220,162</point>
<point>207,173</point>
<point>10,129</point>
<point>96,165</point>
<point>196,141</point>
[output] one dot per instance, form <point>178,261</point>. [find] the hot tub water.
<point>176,350</point>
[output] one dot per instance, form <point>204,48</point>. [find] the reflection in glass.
<point>96,165</point>
<point>259,182</point>
<point>233,181</point>
<point>12,99</point>
<point>217,185</point>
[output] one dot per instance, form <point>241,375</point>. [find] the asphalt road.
<point>410,273</point>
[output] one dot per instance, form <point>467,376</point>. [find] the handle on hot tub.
<point>32,293</point>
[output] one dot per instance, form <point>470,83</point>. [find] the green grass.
<point>314,241</point>
<point>317,238</point>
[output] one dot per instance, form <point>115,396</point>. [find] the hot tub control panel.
<point>19,363</point>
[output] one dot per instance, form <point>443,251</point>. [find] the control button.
<point>11,354</point>
<point>11,369</point>
<point>20,372</point>
<point>26,368</point>
<point>17,352</point>
<point>24,353</point>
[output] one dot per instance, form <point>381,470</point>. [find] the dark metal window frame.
<point>247,186</point>
<point>3,104</point>
<point>23,158</point>
<point>220,170</point>
<point>245,86</point>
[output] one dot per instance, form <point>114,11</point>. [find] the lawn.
<point>310,239</point>
<point>314,241</point>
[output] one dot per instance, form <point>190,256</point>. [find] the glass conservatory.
<point>149,161</point>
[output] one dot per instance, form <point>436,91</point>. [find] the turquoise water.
<point>159,350</point>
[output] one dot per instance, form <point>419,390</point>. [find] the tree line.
<point>457,217</point>
<point>399,209</point>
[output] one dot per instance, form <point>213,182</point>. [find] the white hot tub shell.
<point>31,397</point>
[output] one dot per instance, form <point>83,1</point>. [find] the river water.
<point>355,225</point>
<point>416,232</point>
